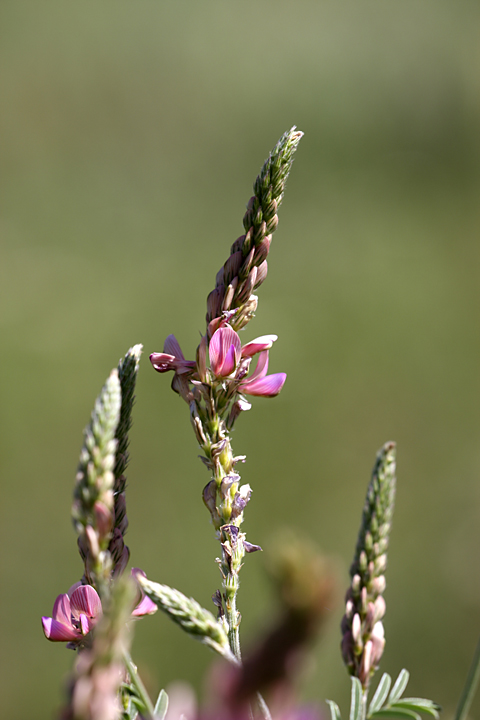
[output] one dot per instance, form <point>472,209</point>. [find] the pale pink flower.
<point>171,358</point>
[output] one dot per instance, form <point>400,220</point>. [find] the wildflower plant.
<point>95,616</point>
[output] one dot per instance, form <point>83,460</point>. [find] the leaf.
<point>161,706</point>
<point>396,714</point>
<point>139,704</point>
<point>380,693</point>
<point>419,705</point>
<point>334,710</point>
<point>356,700</point>
<point>399,687</point>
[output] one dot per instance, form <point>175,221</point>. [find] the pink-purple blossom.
<point>76,612</point>
<point>171,358</point>
<point>228,359</point>
<point>227,356</point>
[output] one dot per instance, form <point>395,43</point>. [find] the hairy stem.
<point>233,625</point>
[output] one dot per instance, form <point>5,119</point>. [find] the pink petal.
<point>137,571</point>
<point>229,363</point>
<point>85,625</point>
<point>163,362</point>
<point>260,344</point>
<point>261,369</point>
<point>224,349</point>
<point>57,631</point>
<point>268,386</point>
<point>144,607</point>
<point>62,610</point>
<point>85,600</point>
<point>172,347</point>
<point>74,587</point>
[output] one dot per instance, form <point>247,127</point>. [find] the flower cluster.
<point>363,638</point>
<point>229,364</point>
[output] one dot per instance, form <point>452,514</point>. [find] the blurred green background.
<point>131,136</point>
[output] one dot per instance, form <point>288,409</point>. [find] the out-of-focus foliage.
<point>131,136</point>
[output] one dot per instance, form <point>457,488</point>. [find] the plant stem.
<point>470,686</point>
<point>364,703</point>
<point>233,630</point>
<point>139,686</point>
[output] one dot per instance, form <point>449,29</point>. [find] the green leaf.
<point>356,700</point>
<point>139,704</point>
<point>334,710</point>
<point>419,705</point>
<point>380,694</point>
<point>161,706</point>
<point>396,714</point>
<point>399,687</point>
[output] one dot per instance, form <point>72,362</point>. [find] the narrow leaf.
<point>419,705</point>
<point>334,710</point>
<point>161,706</point>
<point>396,714</point>
<point>399,687</point>
<point>380,694</point>
<point>356,700</point>
<point>139,704</point>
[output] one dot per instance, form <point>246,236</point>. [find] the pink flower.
<point>171,358</point>
<point>227,354</point>
<point>75,613</point>
<point>145,606</point>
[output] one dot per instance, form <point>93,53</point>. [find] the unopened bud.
<point>92,542</point>
<point>103,520</point>
<point>262,250</point>
<point>366,664</point>
<point>261,274</point>
<point>379,585</point>
<point>380,607</point>
<point>357,633</point>
<point>227,300</point>
<point>202,359</point>
<point>356,584</point>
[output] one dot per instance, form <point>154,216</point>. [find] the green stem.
<point>140,688</point>
<point>233,630</point>
<point>470,686</point>
<point>364,703</point>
